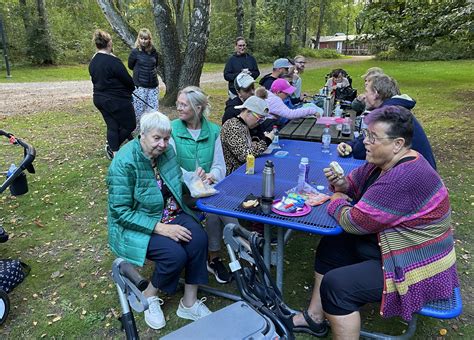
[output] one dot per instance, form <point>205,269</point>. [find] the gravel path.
<point>21,98</point>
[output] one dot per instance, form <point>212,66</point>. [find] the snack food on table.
<point>290,204</point>
<point>347,150</point>
<point>250,204</point>
<point>336,169</point>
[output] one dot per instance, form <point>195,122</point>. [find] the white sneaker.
<point>154,315</point>
<point>195,312</point>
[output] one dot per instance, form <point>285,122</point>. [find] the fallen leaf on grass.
<point>38,223</point>
<point>82,284</point>
<point>56,319</point>
<point>443,331</point>
<point>55,274</point>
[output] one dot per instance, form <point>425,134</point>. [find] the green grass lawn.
<point>59,227</point>
<point>63,73</point>
<point>24,74</point>
<point>48,73</point>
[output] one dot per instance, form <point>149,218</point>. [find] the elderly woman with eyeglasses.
<point>147,219</point>
<point>237,141</point>
<point>397,247</point>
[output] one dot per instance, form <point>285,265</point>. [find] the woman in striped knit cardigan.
<point>398,246</point>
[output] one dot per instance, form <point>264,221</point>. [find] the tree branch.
<point>118,23</point>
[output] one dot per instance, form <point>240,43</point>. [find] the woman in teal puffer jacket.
<point>148,220</point>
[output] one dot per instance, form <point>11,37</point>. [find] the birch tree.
<point>181,51</point>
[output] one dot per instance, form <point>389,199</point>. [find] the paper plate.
<point>305,211</point>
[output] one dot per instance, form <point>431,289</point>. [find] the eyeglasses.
<point>259,118</point>
<point>371,138</point>
<point>242,45</point>
<point>300,62</point>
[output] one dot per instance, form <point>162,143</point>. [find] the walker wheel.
<point>4,306</point>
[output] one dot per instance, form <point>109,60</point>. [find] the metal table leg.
<point>279,259</point>
<point>267,234</point>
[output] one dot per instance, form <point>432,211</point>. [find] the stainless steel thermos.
<point>268,184</point>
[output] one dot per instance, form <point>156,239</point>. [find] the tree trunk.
<point>322,6</point>
<point>179,10</point>
<point>46,51</point>
<point>118,23</point>
<point>239,14</point>
<point>170,49</point>
<point>288,25</point>
<point>197,44</point>
<point>304,24</point>
<point>25,16</point>
<point>253,24</point>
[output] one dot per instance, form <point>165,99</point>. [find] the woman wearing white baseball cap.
<point>236,140</point>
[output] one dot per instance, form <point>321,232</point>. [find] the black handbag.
<point>346,93</point>
<point>12,273</point>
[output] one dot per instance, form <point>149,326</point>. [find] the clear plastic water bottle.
<point>276,139</point>
<point>338,110</point>
<point>326,139</point>
<point>338,114</point>
<point>303,172</point>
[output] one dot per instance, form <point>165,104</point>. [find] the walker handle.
<point>129,271</point>
<point>242,232</point>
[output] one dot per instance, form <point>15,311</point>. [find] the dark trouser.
<point>352,269</point>
<point>172,257</point>
<point>119,116</point>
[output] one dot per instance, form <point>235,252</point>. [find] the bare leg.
<point>150,291</point>
<point>315,309</point>
<point>213,255</point>
<point>190,295</point>
<point>345,327</point>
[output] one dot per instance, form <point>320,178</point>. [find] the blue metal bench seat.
<point>439,309</point>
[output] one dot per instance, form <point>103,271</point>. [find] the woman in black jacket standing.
<point>143,60</point>
<point>113,89</point>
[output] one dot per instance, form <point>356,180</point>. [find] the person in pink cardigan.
<point>280,90</point>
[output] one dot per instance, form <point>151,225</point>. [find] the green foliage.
<point>414,28</point>
<point>443,49</point>
<point>72,23</point>
<point>42,48</point>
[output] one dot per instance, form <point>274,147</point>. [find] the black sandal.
<point>319,330</point>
